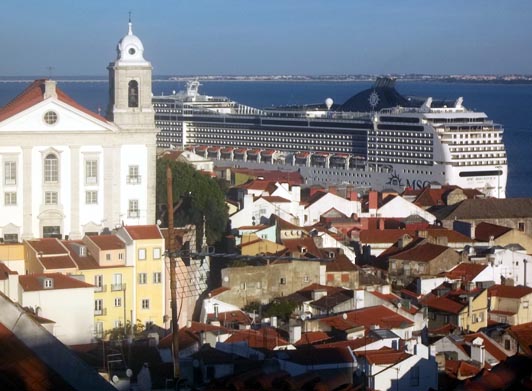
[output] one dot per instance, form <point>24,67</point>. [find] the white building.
<point>66,171</point>
<point>63,299</point>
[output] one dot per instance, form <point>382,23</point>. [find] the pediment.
<point>69,119</point>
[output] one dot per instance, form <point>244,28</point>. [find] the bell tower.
<point>130,96</point>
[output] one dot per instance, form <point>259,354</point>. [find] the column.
<point>27,196</point>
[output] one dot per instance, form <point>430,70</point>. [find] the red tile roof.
<point>523,334</point>
<point>313,337</point>
<point>5,271</point>
<point>325,356</point>
<point>22,369</point>
<point>59,262</point>
<point>216,291</point>
<point>353,344</point>
<point>443,304</point>
<point>33,282</point>
<point>424,252</point>
<point>263,338</point>
<point>384,235</point>
<point>107,242</point>
<point>460,369</point>
<point>48,246</point>
<point>383,356</point>
<point>465,271</point>
<point>275,199</point>
<point>511,292</point>
<point>33,95</point>
<point>140,232</point>
<point>377,315</point>
<point>484,231</point>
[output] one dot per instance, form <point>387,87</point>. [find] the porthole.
<point>50,117</point>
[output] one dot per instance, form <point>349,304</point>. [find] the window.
<point>142,254</point>
<point>521,226</point>
<point>133,177</point>
<point>107,257</point>
<point>50,198</point>
<point>11,238</point>
<point>143,278</point>
<point>243,286</point>
<point>51,169</point>
<point>121,256</point>
<point>118,302</point>
<point>157,253</point>
<point>98,307</point>
<point>91,171</point>
<point>118,324</point>
<point>133,210</point>
<point>91,197</point>
<point>50,117</point>
<point>51,231</point>
<point>133,94</point>
<point>117,282</point>
<point>145,304</point>
<point>10,198</point>
<point>10,173</point>
<point>282,281</point>
<point>48,283</point>
<point>98,329</point>
<point>157,277</point>
<point>98,283</point>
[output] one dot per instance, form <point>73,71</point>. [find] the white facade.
<point>72,310</point>
<point>68,171</point>
<point>505,264</point>
<point>398,207</point>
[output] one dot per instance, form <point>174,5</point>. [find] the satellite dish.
<point>115,379</point>
<point>159,222</point>
<point>344,316</point>
<point>129,373</point>
<point>329,102</point>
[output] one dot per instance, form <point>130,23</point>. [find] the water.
<point>508,104</point>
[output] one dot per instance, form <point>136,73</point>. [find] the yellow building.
<point>145,251</point>
<point>12,255</point>
<point>510,304</point>
<point>101,261</point>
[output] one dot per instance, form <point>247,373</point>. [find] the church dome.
<point>130,48</point>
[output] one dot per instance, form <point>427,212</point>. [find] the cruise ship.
<point>378,139</point>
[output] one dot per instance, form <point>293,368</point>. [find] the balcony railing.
<point>100,288</point>
<point>133,213</point>
<point>118,287</point>
<point>100,312</point>
<point>133,179</point>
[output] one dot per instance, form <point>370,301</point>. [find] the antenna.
<point>50,69</point>
<point>129,16</point>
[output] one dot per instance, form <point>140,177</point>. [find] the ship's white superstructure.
<point>377,139</point>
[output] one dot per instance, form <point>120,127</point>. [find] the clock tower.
<point>130,96</point>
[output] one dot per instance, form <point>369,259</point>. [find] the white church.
<point>66,171</point>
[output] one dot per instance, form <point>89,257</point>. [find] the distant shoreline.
<point>477,79</point>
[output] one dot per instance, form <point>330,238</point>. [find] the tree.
<point>196,195</point>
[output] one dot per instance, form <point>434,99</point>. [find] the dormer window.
<point>133,94</point>
<point>48,283</point>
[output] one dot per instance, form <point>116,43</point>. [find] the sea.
<point>507,104</point>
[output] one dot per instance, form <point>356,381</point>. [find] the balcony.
<point>118,287</point>
<point>133,179</point>
<point>133,213</point>
<point>100,312</point>
<point>100,288</point>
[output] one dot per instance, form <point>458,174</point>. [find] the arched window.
<point>133,94</point>
<point>51,168</point>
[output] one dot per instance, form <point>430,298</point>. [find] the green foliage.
<point>252,307</point>
<point>280,308</point>
<point>120,333</point>
<point>199,196</point>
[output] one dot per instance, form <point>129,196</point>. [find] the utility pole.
<point>171,250</point>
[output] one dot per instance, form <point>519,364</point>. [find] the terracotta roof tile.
<point>511,292</point>
<point>5,271</point>
<point>141,232</point>
<point>58,262</point>
<point>490,346</point>
<point>263,338</point>
<point>33,95</point>
<point>484,231</point>
<point>107,242</point>
<point>313,337</point>
<point>33,282</point>
<point>48,246</point>
<point>424,252</point>
<point>443,304</point>
<point>377,315</point>
<point>492,208</point>
<point>465,271</point>
<point>385,235</point>
<point>383,356</point>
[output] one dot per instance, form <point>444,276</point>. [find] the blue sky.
<point>197,37</point>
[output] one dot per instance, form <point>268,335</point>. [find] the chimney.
<point>189,323</point>
<point>353,195</point>
<point>273,321</point>
<point>294,334</point>
<point>373,203</point>
<point>49,89</point>
<point>332,190</point>
<point>478,351</point>
<point>381,224</point>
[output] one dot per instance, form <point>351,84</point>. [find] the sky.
<point>269,37</point>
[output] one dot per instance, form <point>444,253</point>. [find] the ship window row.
<point>479,149</point>
<point>321,134</point>
<point>419,172</point>
<point>402,161</point>
<point>478,156</point>
<point>385,147</point>
<point>406,154</point>
<point>404,134</point>
<point>479,162</point>
<point>347,174</point>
